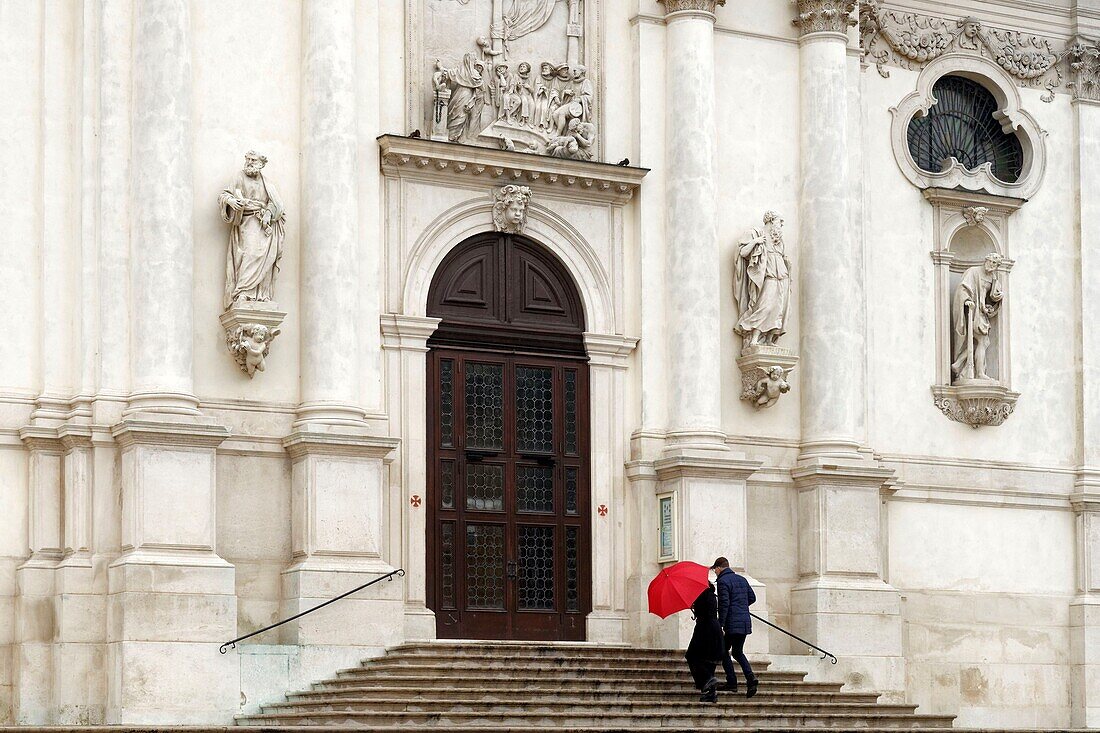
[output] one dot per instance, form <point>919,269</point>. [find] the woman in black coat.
<point>707,646</point>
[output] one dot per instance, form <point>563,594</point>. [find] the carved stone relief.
<point>821,16</point>
<point>510,208</point>
<point>762,291</point>
<point>252,208</point>
<point>911,40</point>
<point>1084,69</point>
<point>517,86</point>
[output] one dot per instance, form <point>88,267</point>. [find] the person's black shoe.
<point>710,695</point>
<point>750,687</point>
<point>728,686</point>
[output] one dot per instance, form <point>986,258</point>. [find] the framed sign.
<point>667,545</point>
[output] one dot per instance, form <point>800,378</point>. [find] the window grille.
<point>961,125</point>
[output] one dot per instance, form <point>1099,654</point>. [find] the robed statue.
<point>762,284</point>
<point>975,304</point>
<point>257,219</point>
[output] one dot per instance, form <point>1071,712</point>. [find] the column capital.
<point>696,6</point>
<point>824,16</point>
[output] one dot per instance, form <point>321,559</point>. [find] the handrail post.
<point>400,572</point>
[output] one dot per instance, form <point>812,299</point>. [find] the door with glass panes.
<point>509,495</point>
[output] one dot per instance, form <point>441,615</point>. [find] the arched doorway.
<point>508,448</point>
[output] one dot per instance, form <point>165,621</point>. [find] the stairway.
<point>500,686</point>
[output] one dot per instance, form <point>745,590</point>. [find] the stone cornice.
<point>825,16</point>
<point>705,464</point>
<point>609,350</point>
<point>848,475</point>
<point>172,433</point>
<point>446,162</point>
<point>303,443</point>
<point>407,332</point>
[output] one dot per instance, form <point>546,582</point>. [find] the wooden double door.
<point>508,533</point>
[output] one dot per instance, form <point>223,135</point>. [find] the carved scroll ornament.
<point>911,40</point>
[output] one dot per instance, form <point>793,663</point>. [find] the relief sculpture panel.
<point>510,74</point>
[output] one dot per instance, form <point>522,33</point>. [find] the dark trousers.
<point>735,648</point>
<point>701,672</point>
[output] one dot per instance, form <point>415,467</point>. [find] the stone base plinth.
<point>975,402</point>
<point>167,614</point>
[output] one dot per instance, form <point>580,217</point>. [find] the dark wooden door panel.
<point>508,499</point>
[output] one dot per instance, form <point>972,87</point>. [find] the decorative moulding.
<point>1013,120</point>
<point>301,443</point>
<point>169,432</point>
<point>448,162</point>
<point>764,372</point>
<point>250,327</point>
<point>975,402</point>
<point>691,6</point>
<point>911,40</point>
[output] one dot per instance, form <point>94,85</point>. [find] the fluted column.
<point>841,601</point>
<point>162,670</point>
<point>330,200</point>
<point>691,225</point>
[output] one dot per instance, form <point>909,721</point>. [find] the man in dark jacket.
<point>734,598</point>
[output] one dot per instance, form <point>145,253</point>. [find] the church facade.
<point>527,299</point>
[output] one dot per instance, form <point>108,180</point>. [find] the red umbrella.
<point>676,587</point>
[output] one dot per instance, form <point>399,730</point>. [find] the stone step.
<point>571,651</point>
<point>503,681</point>
<point>676,705</point>
<point>705,717</point>
<point>578,695</point>
<point>535,670</point>
<point>540,663</point>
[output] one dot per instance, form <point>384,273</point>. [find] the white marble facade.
<point>157,499</point>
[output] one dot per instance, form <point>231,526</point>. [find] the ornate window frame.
<point>1011,115</point>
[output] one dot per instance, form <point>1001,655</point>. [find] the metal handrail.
<point>233,644</point>
<point>824,654</point>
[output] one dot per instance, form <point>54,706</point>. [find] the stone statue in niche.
<point>762,284</point>
<point>975,304</point>
<point>252,208</point>
<point>495,96</point>
<point>510,208</point>
<point>762,289</point>
<point>256,216</point>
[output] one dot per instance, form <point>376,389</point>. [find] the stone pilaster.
<point>32,659</point>
<point>1085,608</point>
<point>607,378</point>
<point>171,599</point>
<point>841,601</point>
<point>405,346</point>
<point>691,225</point>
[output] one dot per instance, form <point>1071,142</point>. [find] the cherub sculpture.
<point>249,345</point>
<point>768,389</point>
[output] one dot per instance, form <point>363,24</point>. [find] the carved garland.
<point>911,40</point>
